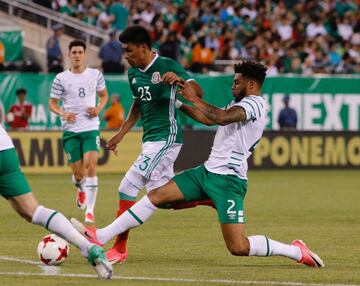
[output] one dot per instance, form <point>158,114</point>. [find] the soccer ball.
<point>10,117</point>
<point>52,250</point>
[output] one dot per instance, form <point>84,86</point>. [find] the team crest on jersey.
<point>156,78</point>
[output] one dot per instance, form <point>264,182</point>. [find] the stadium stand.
<point>289,36</point>
<point>301,37</point>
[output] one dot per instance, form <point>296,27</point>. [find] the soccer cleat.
<point>81,199</point>
<point>97,259</point>
<point>89,232</point>
<point>89,218</point>
<point>115,256</point>
<point>308,257</point>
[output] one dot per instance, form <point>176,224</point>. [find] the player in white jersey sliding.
<point>223,177</point>
<point>15,188</point>
<point>77,88</point>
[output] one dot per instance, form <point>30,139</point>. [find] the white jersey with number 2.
<point>234,143</point>
<point>77,93</point>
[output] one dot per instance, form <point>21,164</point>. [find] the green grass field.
<point>186,247</point>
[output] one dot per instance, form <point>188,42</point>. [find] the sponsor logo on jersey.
<point>156,78</point>
<point>133,81</point>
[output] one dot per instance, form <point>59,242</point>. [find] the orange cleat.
<point>115,256</point>
<point>308,257</point>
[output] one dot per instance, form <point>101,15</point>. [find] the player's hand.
<point>187,91</point>
<point>69,116</point>
<point>92,111</point>
<point>171,78</point>
<point>112,144</point>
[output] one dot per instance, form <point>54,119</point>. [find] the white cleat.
<point>98,260</point>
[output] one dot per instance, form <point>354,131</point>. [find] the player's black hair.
<point>252,70</point>
<point>20,91</point>
<point>76,43</point>
<point>135,34</point>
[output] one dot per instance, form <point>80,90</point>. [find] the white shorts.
<point>155,163</point>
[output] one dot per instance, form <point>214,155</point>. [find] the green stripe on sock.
<point>49,219</point>
<point>267,247</point>
<point>135,216</point>
<point>126,197</point>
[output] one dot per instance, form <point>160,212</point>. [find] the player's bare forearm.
<point>195,114</point>
<point>197,88</point>
<point>103,99</point>
<point>54,106</point>
<point>130,121</point>
<point>217,115</point>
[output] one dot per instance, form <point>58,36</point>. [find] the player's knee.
<point>78,175</point>
<point>128,187</point>
<point>156,197</point>
<point>238,249</point>
<point>160,197</point>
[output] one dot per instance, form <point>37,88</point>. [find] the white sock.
<point>133,217</point>
<point>79,184</point>
<point>260,245</point>
<point>57,223</point>
<point>91,193</point>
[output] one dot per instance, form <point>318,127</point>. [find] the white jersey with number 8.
<point>77,92</point>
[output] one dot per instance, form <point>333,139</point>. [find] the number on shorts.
<point>98,142</point>
<point>230,210</point>
<point>145,163</point>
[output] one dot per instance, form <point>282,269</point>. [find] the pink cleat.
<point>89,232</point>
<point>81,199</point>
<point>308,257</point>
<point>115,256</point>
<point>89,218</point>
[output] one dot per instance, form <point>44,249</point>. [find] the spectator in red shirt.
<point>20,112</point>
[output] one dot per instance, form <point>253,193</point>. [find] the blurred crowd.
<point>301,37</point>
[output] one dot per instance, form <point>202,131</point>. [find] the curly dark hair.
<point>252,70</point>
<point>135,34</point>
<point>77,43</point>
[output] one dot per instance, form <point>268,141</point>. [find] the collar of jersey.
<point>150,64</point>
<point>77,74</point>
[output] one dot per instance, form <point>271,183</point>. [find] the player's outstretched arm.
<point>130,121</point>
<point>172,78</point>
<point>195,114</point>
<point>213,114</point>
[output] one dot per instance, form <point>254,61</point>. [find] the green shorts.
<point>226,191</point>
<point>12,181</point>
<point>77,144</point>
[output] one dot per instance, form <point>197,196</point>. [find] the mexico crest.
<point>156,78</point>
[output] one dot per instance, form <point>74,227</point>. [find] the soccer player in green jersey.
<point>15,188</point>
<point>223,177</point>
<point>152,81</point>
<point>77,88</point>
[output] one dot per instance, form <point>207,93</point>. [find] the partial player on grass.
<point>15,188</point>
<point>223,177</point>
<point>152,81</point>
<point>77,89</point>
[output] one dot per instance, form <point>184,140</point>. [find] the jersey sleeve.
<point>176,68</point>
<point>252,107</point>
<point>57,89</point>
<point>100,85</point>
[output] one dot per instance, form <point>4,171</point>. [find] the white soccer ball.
<point>10,117</point>
<point>53,250</point>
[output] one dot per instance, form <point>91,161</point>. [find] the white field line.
<point>159,279</point>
